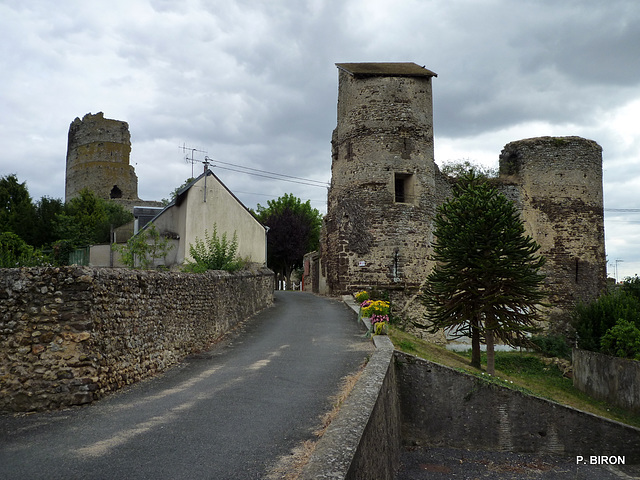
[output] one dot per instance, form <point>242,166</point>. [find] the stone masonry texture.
<point>444,407</point>
<point>98,153</point>
<point>386,189</point>
<point>70,335</point>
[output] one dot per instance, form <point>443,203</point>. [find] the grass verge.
<point>524,371</point>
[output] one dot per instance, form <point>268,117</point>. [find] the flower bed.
<point>376,310</point>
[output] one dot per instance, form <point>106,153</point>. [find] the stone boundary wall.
<point>612,379</point>
<point>70,335</point>
<point>363,441</point>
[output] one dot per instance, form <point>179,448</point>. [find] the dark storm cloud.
<point>561,62</point>
<point>255,83</point>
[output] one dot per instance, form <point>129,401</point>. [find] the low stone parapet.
<point>445,407</point>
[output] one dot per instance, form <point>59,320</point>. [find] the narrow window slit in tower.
<point>400,190</point>
<point>404,186</point>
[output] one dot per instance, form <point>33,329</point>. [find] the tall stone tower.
<point>559,189</point>
<point>383,190</point>
<point>386,188</point>
<point>98,159</point>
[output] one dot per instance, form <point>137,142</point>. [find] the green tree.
<point>460,168</point>
<point>486,282</point>
<point>631,285</point>
<point>294,229</point>
<point>15,252</point>
<point>594,319</point>
<point>622,340</point>
<point>142,249</point>
<point>47,210</point>
<point>174,194</point>
<point>17,213</point>
<point>87,219</point>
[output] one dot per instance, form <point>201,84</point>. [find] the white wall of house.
<point>104,256</point>
<point>222,209</point>
<point>169,222</point>
<point>190,216</point>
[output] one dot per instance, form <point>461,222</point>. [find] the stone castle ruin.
<point>98,152</point>
<point>386,187</point>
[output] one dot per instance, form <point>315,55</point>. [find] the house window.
<point>404,188</point>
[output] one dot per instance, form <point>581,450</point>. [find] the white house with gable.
<point>204,203</point>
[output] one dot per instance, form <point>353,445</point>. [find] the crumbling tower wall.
<point>559,185</point>
<point>383,190</point>
<point>98,153</point>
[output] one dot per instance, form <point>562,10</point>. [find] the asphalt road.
<point>229,413</point>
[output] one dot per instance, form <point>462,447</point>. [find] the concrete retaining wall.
<point>612,379</point>
<point>442,406</point>
<point>363,442</point>
<point>402,399</point>
<point>70,335</point>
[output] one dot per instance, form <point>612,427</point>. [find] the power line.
<point>271,175</point>
<point>275,196</point>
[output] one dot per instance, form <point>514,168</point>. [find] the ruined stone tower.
<point>559,190</point>
<point>386,188</point>
<point>98,152</point>
<point>382,178</point>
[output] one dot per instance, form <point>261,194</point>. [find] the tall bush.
<point>622,340</point>
<point>142,249</point>
<point>14,252</point>
<point>593,320</point>
<point>631,285</point>
<point>214,253</point>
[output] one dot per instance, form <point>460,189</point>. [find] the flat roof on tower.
<point>399,69</point>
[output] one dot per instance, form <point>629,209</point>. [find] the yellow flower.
<point>377,307</point>
<point>361,296</point>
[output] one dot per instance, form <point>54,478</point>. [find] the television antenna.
<point>188,155</point>
<point>617,262</point>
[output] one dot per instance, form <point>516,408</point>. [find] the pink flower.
<point>379,318</point>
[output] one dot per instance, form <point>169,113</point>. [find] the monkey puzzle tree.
<point>486,282</point>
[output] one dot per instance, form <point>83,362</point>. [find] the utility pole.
<point>206,167</point>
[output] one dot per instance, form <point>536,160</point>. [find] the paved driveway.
<point>229,413</point>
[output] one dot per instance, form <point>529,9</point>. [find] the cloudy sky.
<point>253,84</point>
